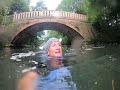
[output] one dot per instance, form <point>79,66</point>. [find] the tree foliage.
<point>8,7</point>
<point>19,6</point>
<point>4,8</point>
<point>105,17</point>
<point>39,6</point>
<point>77,6</point>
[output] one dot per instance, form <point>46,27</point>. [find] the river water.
<point>93,68</point>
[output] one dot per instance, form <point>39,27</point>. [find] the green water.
<point>97,68</point>
<point>93,68</point>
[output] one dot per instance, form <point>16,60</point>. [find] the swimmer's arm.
<point>27,81</point>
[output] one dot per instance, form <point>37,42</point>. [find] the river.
<point>93,68</point>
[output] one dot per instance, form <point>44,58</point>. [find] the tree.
<point>19,6</point>
<point>77,6</point>
<point>105,17</point>
<point>4,8</point>
<point>39,6</point>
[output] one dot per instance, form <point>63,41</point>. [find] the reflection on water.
<point>93,68</point>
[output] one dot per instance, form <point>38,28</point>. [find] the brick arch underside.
<point>32,30</point>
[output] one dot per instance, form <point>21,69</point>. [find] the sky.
<point>50,4</point>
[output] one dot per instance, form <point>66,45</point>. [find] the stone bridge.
<point>71,24</point>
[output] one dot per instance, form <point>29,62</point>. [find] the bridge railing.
<point>49,13</point>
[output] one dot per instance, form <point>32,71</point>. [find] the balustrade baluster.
<point>33,13</point>
<point>62,14</point>
<point>77,16</point>
<point>39,13</point>
<point>42,13</point>
<point>30,14</point>
<point>53,14</point>
<point>68,15</point>
<point>27,14</point>
<point>16,17</point>
<point>59,13</point>
<point>20,15</point>
<point>82,17</point>
<point>47,13</point>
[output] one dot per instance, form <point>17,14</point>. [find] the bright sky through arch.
<point>50,4</point>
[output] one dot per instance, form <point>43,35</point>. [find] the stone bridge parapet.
<point>48,13</point>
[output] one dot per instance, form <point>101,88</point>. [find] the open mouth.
<point>58,52</point>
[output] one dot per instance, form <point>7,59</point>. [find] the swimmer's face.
<point>55,50</point>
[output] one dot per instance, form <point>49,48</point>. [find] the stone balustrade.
<point>48,13</point>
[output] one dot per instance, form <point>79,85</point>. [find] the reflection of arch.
<point>33,27</point>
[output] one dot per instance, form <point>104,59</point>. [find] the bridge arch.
<point>30,29</point>
<point>38,21</point>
